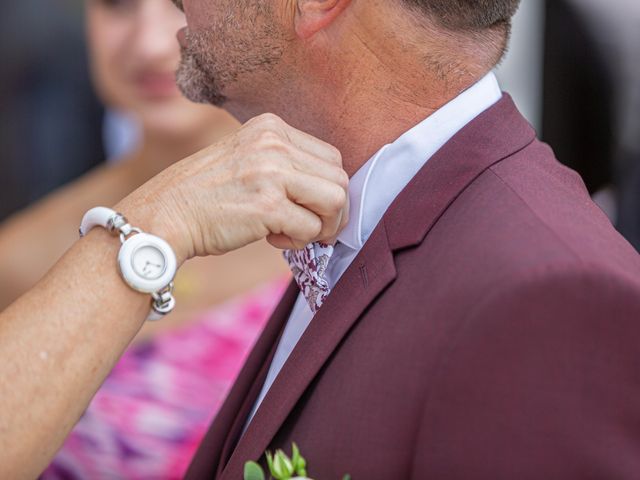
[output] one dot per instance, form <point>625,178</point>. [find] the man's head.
<point>269,55</point>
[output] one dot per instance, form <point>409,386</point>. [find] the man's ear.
<point>315,15</point>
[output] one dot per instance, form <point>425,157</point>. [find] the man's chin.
<point>201,94</point>
<point>196,86</point>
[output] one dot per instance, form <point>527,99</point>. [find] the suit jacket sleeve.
<point>542,380</point>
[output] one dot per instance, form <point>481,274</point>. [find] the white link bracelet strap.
<point>147,263</point>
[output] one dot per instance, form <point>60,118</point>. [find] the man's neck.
<point>359,86</point>
<point>363,100</point>
<point>370,113</point>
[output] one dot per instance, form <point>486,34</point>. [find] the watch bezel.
<point>131,277</point>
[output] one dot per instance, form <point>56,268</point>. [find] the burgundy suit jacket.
<point>489,329</point>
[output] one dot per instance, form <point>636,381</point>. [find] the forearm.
<point>25,257</point>
<point>57,344</point>
<point>59,341</point>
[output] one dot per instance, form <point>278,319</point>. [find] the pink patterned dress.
<point>153,410</point>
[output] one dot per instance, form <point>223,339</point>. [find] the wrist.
<point>147,262</point>
<point>157,221</point>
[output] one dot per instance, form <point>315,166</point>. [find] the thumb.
<point>284,242</point>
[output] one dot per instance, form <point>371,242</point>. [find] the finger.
<point>313,165</point>
<point>328,235</point>
<point>313,145</point>
<point>268,122</point>
<point>295,222</point>
<point>342,223</point>
<point>321,196</point>
<point>283,242</point>
<point>326,199</point>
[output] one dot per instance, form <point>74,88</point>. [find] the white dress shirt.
<point>372,190</point>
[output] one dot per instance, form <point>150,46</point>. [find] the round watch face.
<point>147,263</point>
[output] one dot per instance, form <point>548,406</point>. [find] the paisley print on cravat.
<point>308,266</point>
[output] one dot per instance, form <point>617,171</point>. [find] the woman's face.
<point>134,55</point>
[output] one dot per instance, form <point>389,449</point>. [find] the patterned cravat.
<point>308,266</point>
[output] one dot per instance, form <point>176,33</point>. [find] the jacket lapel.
<point>372,270</point>
<point>494,135</point>
<point>219,441</point>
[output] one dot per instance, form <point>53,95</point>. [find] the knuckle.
<point>315,228</point>
<point>268,120</point>
<point>271,202</point>
<point>264,184</point>
<point>335,156</point>
<point>269,140</point>
<point>337,200</point>
<point>342,179</point>
<point>271,172</point>
<point>251,123</point>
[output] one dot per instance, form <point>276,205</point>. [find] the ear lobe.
<point>315,15</point>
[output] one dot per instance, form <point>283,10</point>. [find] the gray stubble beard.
<point>195,82</point>
<point>202,75</point>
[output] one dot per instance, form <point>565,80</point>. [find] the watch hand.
<point>146,269</point>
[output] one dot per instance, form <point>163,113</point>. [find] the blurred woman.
<point>137,425</point>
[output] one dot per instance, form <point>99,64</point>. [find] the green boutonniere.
<point>281,467</point>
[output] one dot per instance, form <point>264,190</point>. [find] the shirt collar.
<point>378,182</point>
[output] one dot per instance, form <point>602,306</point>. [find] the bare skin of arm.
<point>59,341</point>
<point>25,255</point>
<point>32,240</point>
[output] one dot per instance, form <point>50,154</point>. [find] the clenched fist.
<point>267,180</point>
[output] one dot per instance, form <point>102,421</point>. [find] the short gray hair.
<point>488,19</point>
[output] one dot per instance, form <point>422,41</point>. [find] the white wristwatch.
<point>147,263</point>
